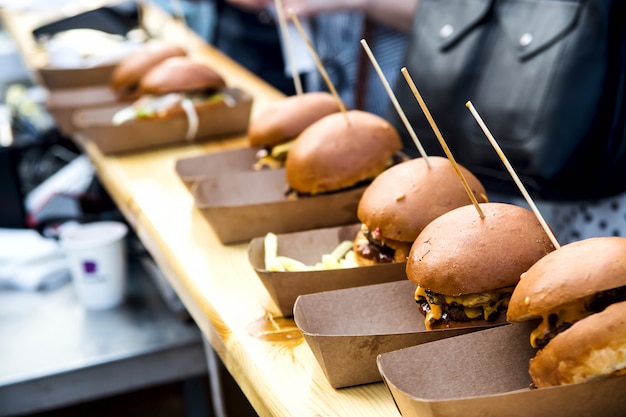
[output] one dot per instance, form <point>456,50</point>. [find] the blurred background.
<point>144,358</point>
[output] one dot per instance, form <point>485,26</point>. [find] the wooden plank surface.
<point>265,353</point>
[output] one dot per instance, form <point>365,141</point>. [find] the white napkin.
<point>85,48</point>
<point>30,262</point>
<point>73,179</point>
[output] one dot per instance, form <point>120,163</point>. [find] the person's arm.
<point>251,5</point>
<point>395,13</point>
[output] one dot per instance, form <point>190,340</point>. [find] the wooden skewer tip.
<point>319,64</point>
<point>442,142</point>
<point>283,28</point>
<point>395,102</point>
<point>513,174</point>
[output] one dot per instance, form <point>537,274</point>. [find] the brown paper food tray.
<point>215,120</point>
<point>308,247</point>
<point>55,78</point>
<point>197,167</point>
<point>244,205</point>
<point>486,374</point>
<point>347,329</point>
<point>62,103</point>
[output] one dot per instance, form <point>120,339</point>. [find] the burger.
<point>175,85</point>
<point>128,72</point>
<point>277,126</point>
<point>340,151</point>
<point>401,201</point>
<point>466,267</point>
<point>578,296</point>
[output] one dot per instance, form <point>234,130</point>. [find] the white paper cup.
<point>97,257</point>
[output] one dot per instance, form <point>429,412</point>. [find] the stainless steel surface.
<point>54,353</point>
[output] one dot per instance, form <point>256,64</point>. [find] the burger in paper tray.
<point>273,131</point>
<point>327,169</point>
<point>270,135</point>
<point>119,87</point>
<point>562,356</point>
<point>83,57</point>
<point>461,271</point>
<point>180,99</point>
<point>82,48</point>
<point>578,294</point>
<point>393,209</point>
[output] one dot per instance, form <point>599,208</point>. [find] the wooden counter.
<point>265,354</point>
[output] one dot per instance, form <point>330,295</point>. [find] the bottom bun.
<point>594,347</point>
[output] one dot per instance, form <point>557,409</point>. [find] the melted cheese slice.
<point>569,313</point>
<point>475,306</point>
<point>275,158</point>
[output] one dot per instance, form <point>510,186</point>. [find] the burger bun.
<point>180,75</point>
<point>285,119</point>
<point>127,73</point>
<point>339,151</point>
<point>401,201</point>
<point>576,270</point>
<point>459,253</point>
<point>594,347</point>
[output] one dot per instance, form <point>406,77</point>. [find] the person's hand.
<point>251,5</point>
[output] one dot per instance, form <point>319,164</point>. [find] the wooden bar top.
<point>264,352</point>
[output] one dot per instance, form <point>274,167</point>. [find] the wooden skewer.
<point>278,4</point>
<point>319,64</point>
<point>394,100</point>
<point>443,143</point>
<point>509,167</point>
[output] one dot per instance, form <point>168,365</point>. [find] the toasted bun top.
<point>593,347</point>
<point>459,253</point>
<point>573,271</point>
<point>179,74</point>
<point>331,154</point>
<point>285,119</point>
<point>406,197</point>
<point>128,71</point>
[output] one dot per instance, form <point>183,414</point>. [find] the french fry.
<point>330,262</point>
<point>349,260</point>
<point>342,256</point>
<point>290,264</point>
<point>271,249</point>
<point>341,250</point>
<point>275,266</point>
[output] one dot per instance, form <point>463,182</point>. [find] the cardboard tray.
<point>486,374</point>
<point>214,121</point>
<point>240,206</point>
<point>308,247</point>
<point>195,168</point>
<point>54,78</point>
<point>62,103</point>
<point>347,329</point>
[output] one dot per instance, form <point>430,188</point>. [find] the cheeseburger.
<point>401,201</point>
<point>333,154</point>
<point>277,126</point>
<point>466,267</point>
<point>176,85</point>
<point>578,295</point>
<point>128,72</point>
